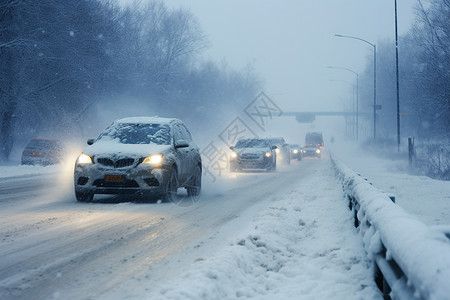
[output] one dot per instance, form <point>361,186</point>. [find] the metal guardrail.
<point>411,260</point>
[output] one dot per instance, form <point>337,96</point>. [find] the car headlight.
<point>277,150</point>
<point>317,151</point>
<point>268,154</point>
<point>295,151</point>
<point>233,155</point>
<point>84,159</point>
<point>153,159</point>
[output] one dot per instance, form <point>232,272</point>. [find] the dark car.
<point>42,152</point>
<point>296,151</point>
<point>283,151</point>
<point>314,138</point>
<point>142,155</point>
<point>311,151</point>
<point>253,154</point>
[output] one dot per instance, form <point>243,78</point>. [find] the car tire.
<point>84,197</point>
<point>196,184</point>
<point>273,168</point>
<point>171,186</point>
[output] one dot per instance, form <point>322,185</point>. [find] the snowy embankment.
<point>398,241</point>
<point>426,198</point>
<point>302,245</point>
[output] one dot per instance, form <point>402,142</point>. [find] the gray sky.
<point>290,42</point>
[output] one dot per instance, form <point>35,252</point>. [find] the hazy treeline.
<point>60,60</point>
<point>424,67</point>
<point>424,64</point>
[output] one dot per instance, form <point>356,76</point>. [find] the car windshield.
<point>276,141</point>
<point>125,133</point>
<point>313,138</point>
<point>251,143</point>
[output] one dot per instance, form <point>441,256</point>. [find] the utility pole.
<point>396,72</point>
<point>375,106</point>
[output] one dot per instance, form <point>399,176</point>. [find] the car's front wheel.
<point>196,183</point>
<point>288,159</point>
<point>84,197</point>
<point>171,186</point>
<point>273,167</point>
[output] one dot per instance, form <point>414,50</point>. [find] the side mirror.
<point>90,141</point>
<point>181,144</point>
<point>273,147</point>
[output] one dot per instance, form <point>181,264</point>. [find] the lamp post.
<point>396,72</point>
<point>353,103</point>
<point>357,94</point>
<point>374,78</point>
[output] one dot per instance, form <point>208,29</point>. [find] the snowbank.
<point>301,245</point>
<point>422,253</point>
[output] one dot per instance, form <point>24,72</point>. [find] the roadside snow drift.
<point>421,252</point>
<point>302,245</point>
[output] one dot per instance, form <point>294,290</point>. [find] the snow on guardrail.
<point>412,260</point>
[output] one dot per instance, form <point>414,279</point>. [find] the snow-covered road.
<point>280,235</point>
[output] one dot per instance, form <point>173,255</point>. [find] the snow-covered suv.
<point>141,155</point>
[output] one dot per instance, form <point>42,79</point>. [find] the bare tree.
<point>432,35</point>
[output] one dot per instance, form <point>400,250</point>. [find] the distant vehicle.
<point>311,151</point>
<point>42,152</point>
<point>142,155</point>
<point>296,151</point>
<point>314,138</point>
<point>253,154</point>
<point>283,151</point>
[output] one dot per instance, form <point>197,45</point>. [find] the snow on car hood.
<point>114,149</point>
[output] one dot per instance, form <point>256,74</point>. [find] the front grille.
<point>250,156</point>
<point>125,162</point>
<point>106,162</point>
<point>120,163</point>
<point>123,184</point>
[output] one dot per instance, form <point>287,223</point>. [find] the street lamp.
<point>396,73</point>
<point>353,104</point>
<point>357,94</point>
<point>374,78</point>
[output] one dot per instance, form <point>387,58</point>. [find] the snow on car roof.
<point>146,120</point>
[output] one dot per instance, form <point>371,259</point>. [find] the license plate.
<point>117,178</point>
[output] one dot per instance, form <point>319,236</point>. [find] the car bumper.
<point>261,163</point>
<point>94,179</point>
<point>311,154</point>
